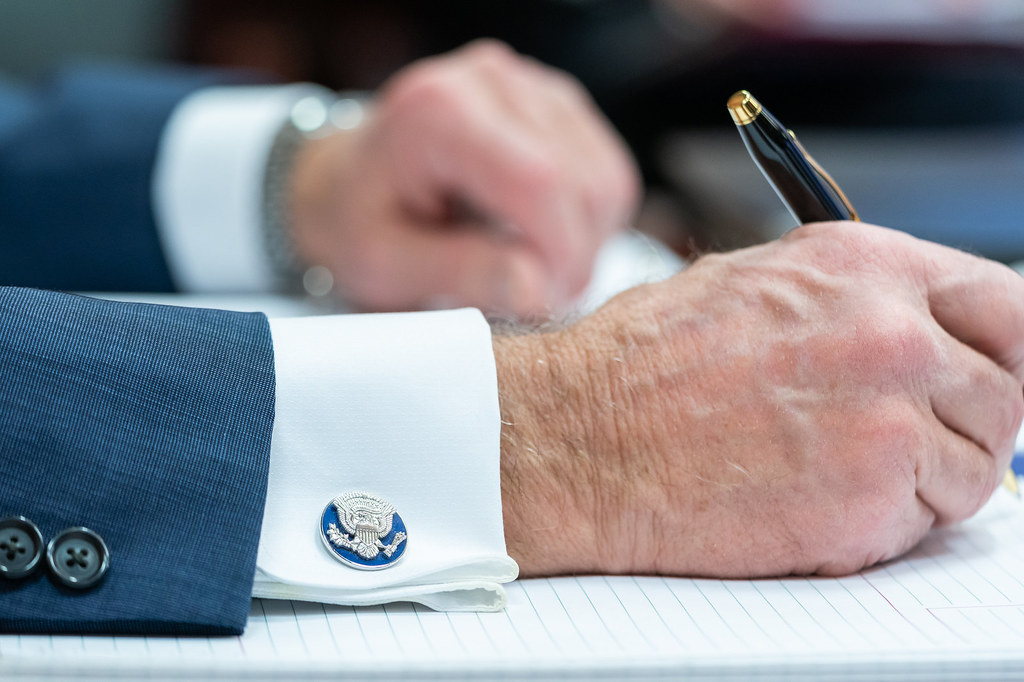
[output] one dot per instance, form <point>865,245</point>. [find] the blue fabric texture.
<point>76,162</point>
<point>151,426</point>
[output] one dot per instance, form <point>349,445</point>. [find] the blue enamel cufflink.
<point>363,531</point>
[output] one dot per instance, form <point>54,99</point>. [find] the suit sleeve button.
<point>78,557</point>
<point>21,547</point>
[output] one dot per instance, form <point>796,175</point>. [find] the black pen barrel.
<point>782,161</point>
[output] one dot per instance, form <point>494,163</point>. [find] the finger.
<point>508,175</point>
<point>979,400</point>
<point>905,530</point>
<point>467,266</point>
<point>955,476</point>
<point>527,93</point>
<point>606,175</point>
<point>981,303</point>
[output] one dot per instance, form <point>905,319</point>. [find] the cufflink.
<point>78,557</point>
<point>21,547</point>
<point>363,531</point>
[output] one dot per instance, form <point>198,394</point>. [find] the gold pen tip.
<point>743,108</point>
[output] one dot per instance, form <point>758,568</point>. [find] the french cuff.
<point>208,184</point>
<point>403,407</point>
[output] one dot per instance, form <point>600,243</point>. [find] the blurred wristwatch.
<point>312,117</point>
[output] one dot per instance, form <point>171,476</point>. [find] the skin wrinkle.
<point>611,480</point>
<point>559,460</point>
<point>635,465</point>
<point>642,462</point>
<point>511,479</point>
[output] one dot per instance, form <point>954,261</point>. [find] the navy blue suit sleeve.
<point>150,425</point>
<point>76,161</point>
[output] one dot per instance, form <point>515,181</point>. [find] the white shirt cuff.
<point>207,185</point>
<point>403,406</point>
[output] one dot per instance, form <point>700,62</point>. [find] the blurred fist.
<point>481,178</point>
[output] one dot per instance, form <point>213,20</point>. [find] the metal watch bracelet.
<point>313,117</point>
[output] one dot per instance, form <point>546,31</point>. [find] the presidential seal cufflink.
<point>363,531</point>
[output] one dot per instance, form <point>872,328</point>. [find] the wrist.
<point>317,176</point>
<point>556,429</point>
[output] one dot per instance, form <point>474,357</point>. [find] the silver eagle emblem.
<point>365,521</point>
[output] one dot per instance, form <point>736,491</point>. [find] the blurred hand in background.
<point>480,178</point>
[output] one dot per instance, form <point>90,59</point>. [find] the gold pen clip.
<point>823,174</point>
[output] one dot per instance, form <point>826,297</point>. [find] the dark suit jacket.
<point>147,424</point>
<point>151,426</point>
<point>76,161</point>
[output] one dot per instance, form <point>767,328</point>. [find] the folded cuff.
<point>403,407</point>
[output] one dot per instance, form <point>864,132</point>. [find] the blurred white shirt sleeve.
<point>207,185</point>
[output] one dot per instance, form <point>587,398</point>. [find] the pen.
<point>809,192</point>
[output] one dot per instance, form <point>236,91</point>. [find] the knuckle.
<point>893,342</point>
<point>541,176</point>
<point>491,60</point>
<point>489,50</point>
<point>889,438</point>
<point>568,86</point>
<point>432,87</point>
<point>429,88</point>
<point>849,247</point>
<point>1004,411</point>
<point>879,473</point>
<point>980,486</point>
<point>974,485</point>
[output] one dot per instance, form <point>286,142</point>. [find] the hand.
<point>482,178</point>
<point>813,405</point>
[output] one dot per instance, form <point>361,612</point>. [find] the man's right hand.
<point>813,405</point>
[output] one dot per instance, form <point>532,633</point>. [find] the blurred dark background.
<point>654,67</point>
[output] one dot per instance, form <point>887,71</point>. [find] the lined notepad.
<point>952,609</point>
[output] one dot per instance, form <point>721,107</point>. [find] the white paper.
<point>951,609</point>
